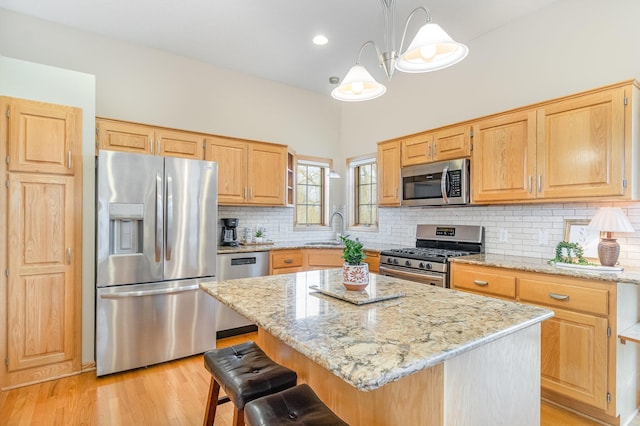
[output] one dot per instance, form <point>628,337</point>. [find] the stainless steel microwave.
<point>436,184</point>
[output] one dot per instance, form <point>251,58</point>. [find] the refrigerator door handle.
<point>159,218</point>
<point>169,231</point>
<point>164,291</point>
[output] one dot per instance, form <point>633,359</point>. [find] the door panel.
<point>231,157</point>
<point>129,205</point>
<point>41,294</point>
<point>180,144</point>
<point>42,137</point>
<point>127,137</point>
<point>190,219</point>
<point>266,174</point>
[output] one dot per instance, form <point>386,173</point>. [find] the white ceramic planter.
<point>355,277</point>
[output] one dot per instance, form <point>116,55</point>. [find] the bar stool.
<point>297,405</point>
<point>245,373</point>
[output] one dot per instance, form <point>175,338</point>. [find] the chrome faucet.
<point>334,214</point>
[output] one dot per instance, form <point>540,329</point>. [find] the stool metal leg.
<point>212,402</point>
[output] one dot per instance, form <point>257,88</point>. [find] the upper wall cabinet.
<point>139,138</point>
<point>570,149</point>
<point>249,173</point>
<point>442,144</point>
<point>43,138</point>
<point>389,173</point>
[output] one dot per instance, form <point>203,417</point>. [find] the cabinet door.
<point>267,170</point>
<point>452,143</point>
<point>417,149</point>
<point>171,143</point>
<point>44,284</point>
<point>574,357</point>
<point>389,173</point>
<point>581,146</point>
<point>127,137</point>
<point>231,156</point>
<point>504,158</point>
<point>323,258</point>
<point>43,138</point>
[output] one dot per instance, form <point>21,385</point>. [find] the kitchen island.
<point>429,356</point>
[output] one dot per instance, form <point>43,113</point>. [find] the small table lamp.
<point>608,220</point>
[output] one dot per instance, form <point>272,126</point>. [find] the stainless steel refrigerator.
<point>156,224</point>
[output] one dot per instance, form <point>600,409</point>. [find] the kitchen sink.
<point>323,243</point>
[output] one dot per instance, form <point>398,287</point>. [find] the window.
<point>312,190</point>
<point>363,174</point>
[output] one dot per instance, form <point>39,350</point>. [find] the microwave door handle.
<point>443,184</point>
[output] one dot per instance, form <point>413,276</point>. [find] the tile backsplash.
<point>531,230</point>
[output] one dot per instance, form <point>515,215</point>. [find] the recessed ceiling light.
<point>320,40</point>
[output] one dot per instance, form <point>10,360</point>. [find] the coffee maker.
<point>229,234</point>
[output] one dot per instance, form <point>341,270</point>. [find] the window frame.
<point>327,165</point>
<point>353,164</point>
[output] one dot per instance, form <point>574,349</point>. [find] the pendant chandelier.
<point>432,49</point>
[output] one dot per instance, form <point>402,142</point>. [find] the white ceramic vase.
<point>355,277</point>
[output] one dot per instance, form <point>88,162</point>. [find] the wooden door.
<point>127,137</point>
<point>417,149</point>
<point>231,156</point>
<point>267,171</point>
<point>43,138</point>
<point>574,357</point>
<point>43,309</point>
<point>389,173</point>
<point>172,143</point>
<point>452,143</point>
<point>581,146</point>
<point>504,158</point>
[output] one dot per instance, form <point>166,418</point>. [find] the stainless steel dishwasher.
<point>231,266</point>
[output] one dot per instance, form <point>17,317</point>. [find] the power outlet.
<point>503,235</point>
<point>543,237</point>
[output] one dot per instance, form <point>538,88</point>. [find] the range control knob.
<point>389,260</point>
<point>395,261</point>
<point>407,263</point>
<point>421,265</point>
<point>429,266</point>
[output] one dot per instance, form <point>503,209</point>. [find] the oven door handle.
<point>443,184</point>
<point>404,274</point>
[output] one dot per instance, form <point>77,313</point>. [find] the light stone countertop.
<point>373,344</point>
<point>628,275</point>
<point>299,245</point>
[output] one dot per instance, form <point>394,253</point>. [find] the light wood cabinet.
<point>286,261</point>
<point>116,135</point>
<point>323,258</point>
<point>30,125</point>
<point>574,148</point>
<point>249,173</point>
<point>43,246</point>
<point>388,159</point>
<point>373,260</point>
<point>578,354</point>
<point>443,144</point>
<point>504,157</point>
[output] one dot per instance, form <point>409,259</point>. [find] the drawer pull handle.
<point>288,261</point>
<point>482,283</point>
<point>558,296</point>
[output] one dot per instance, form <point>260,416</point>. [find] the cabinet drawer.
<point>373,260</point>
<point>331,258</point>
<point>564,296</point>
<point>484,281</point>
<point>286,258</point>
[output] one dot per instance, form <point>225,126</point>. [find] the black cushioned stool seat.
<point>299,405</point>
<point>245,373</point>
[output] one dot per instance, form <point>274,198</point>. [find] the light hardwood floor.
<point>172,393</point>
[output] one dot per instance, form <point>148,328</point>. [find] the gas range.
<point>427,262</point>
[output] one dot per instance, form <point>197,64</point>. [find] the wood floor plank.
<point>172,394</point>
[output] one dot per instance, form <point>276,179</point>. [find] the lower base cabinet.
<point>299,260</point>
<point>578,345</point>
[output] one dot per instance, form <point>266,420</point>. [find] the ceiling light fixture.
<point>432,49</point>
<point>320,40</point>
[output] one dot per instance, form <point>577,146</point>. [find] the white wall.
<point>21,79</point>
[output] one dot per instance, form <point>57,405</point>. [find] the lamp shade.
<point>610,219</point>
<point>358,85</point>
<point>431,49</point>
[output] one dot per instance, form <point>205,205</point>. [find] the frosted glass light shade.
<point>610,219</point>
<point>358,85</point>
<point>431,49</point>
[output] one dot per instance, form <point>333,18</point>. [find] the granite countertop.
<point>299,245</point>
<point>629,276</point>
<point>373,344</point>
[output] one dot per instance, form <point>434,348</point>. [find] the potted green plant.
<point>259,234</point>
<point>355,273</point>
